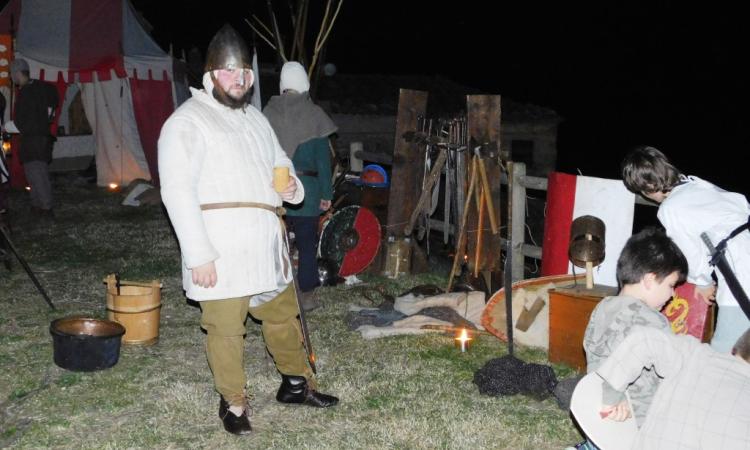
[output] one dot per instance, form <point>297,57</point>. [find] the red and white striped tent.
<point>127,81</point>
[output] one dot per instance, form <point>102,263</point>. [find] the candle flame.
<point>463,339</point>
<point>113,186</point>
<point>463,335</point>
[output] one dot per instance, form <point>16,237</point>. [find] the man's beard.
<point>227,100</point>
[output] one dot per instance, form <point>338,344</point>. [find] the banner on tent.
<point>5,58</point>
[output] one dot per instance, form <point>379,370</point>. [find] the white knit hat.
<point>294,76</point>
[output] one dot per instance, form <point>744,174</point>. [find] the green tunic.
<point>312,156</point>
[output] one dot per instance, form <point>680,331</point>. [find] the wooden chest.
<point>569,312</point>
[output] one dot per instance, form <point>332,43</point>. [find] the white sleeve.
<point>181,152</point>
<point>689,241</point>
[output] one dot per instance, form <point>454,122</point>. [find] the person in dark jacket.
<point>34,110</point>
<point>303,129</point>
<point>4,175</point>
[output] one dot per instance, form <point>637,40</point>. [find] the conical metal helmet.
<point>227,50</point>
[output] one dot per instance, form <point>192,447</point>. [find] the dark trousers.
<point>3,194</point>
<point>37,174</point>
<point>306,240</point>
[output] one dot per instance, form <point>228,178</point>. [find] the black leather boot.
<point>234,424</point>
<point>294,389</point>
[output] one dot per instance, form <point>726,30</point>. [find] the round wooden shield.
<point>494,318</point>
<point>350,239</point>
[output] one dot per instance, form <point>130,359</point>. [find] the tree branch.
<point>257,32</point>
<point>320,42</point>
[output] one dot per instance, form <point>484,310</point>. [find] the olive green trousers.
<point>224,322</point>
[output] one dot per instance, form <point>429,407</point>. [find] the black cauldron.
<point>84,344</point>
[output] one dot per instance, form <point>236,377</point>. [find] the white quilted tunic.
<point>210,153</point>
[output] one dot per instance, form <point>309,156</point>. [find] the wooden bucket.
<point>137,306</point>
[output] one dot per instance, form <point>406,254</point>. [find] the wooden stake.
<point>589,275</point>
<point>480,227</point>
<point>589,268</point>
<point>462,228</point>
<point>487,197</point>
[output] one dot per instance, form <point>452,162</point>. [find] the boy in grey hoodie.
<point>648,269</point>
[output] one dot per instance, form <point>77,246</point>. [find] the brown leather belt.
<point>307,173</point>
<point>278,210</point>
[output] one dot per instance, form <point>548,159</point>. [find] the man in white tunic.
<point>216,161</point>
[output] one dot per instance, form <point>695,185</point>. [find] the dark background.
<point>619,73</point>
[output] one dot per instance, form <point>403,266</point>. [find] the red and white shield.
<point>350,239</point>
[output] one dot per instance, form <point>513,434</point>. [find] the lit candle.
<point>463,340</point>
<point>113,186</point>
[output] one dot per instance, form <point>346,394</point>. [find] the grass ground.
<point>398,392</point>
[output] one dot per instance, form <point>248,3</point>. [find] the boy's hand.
<point>706,293</point>
<point>619,412</point>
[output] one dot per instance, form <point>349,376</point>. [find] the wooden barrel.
<point>137,306</point>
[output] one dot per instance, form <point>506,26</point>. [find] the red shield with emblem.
<point>350,240</point>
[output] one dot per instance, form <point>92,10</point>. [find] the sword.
<point>302,322</point>
<point>303,327</point>
<point>719,259</point>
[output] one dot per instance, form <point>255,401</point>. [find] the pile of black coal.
<point>509,375</point>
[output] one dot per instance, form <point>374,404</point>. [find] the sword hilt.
<point>714,252</point>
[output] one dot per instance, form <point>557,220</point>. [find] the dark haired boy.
<point>648,269</point>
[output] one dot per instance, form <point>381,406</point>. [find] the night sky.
<point>657,72</point>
